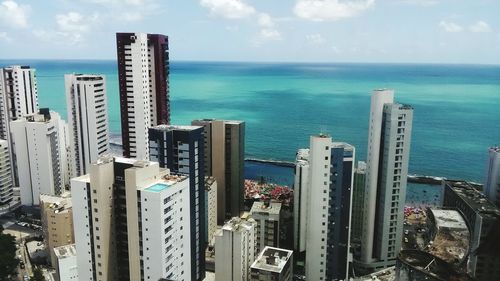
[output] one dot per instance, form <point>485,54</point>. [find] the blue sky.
<point>423,31</point>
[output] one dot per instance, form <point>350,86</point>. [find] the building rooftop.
<point>272,259</point>
<point>165,181</point>
<point>175,127</point>
<point>451,241</point>
<point>65,251</point>
<point>209,181</point>
<point>495,149</point>
<point>302,157</point>
<point>236,224</point>
<point>474,198</point>
<point>429,264</point>
<point>272,208</point>
<point>388,274</point>
<point>59,204</point>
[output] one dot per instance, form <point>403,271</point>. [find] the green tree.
<point>8,260</point>
<point>37,275</point>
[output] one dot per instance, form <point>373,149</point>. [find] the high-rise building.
<point>134,222</point>
<point>267,215</point>
<point>18,98</point>
<point>57,222</point>
<point>224,160</point>
<point>235,249</point>
<point>388,155</point>
<point>66,264</point>
<point>6,186</point>
<point>358,196</point>
<point>211,207</point>
<point>87,120</point>
<point>38,141</point>
<point>329,215</point>
<point>492,182</point>
<point>301,201</point>
<point>482,217</point>
<point>272,264</point>
<point>143,68</point>
<point>180,149</point>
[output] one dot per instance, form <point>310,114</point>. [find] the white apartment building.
<point>300,199</point>
<point>267,216</point>
<point>18,98</point>
<point>6,186</point>
<point>235,249</point>
<point>492,182</point>
<point>389,141</point>
<point>151,205</point>
<point>87,120</point>
<point>38,144</point>
<point>66,265</point>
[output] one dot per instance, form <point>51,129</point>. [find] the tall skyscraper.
<point>87,120</point>
<point>235,249</point>
<point>38,142</point>
<point>18,98</point>
<point>329,209</point>
<point>358,201</point>
<point>492,183</point>
<point>300,200</point>
<point>388,155</point>
<point>267,215</point>
<point>6,185</point>
<point>143,68</point>
<point>180,149</point>
<point>224,160</point>
<point>134,222</point>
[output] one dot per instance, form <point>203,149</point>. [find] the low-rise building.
<point>267,215</point>
<point>66,267</point>
<point>57,222</point>
<point>272,264</point>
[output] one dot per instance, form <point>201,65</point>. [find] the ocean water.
<point>456,107</point>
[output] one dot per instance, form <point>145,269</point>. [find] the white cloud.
<point>330,10</point>
<point>127,10</point>
<point>265,20</point>
<point>72,21</point>
<point>480,26</point>
<point>424,3</point>
<point>13,14</point>
<point>231,9</point>
<point>71,28</point>
<point>270,34</point>
<point>316,39</point>
<point>5,37</point>
<point>449,26</point>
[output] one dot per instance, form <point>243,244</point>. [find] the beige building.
<point>224,160</point>
<point>267,216</point>
<point>57,222</point>
<point>211,197</point>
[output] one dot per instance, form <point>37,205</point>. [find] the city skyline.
<point>298,31</point>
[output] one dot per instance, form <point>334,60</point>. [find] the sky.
<point>389,31</point>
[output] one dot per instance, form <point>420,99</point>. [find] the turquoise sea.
<point>457,107</point>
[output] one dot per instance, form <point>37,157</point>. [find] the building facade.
<point>224,143</point>
<point>329,216</point>
<point>145,234</point>
<point>492,182</point>
<point>87,120</point>
<point>388,154</point>
<point>18,98</point>
<point>211,207</point>
<point>481,215</point>
<point>66,264</point>
<point>357,205</point>
<point>180,149</point>
<point>57,222</point>
<point>272,264</point>
<point>235,250</point>
<point>143,69</point>
<point>6,184</point>
<point>267,215</point>
<point>300,200</point>
<point>38,140</point>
